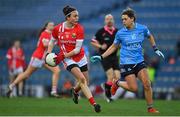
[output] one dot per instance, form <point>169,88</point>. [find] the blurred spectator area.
<point>23,18</point>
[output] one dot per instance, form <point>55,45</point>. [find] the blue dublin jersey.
<point>131,51</point>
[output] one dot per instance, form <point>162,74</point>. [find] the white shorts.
<point>35,62</point>
<point>16,71</point>
<point>67,62</point>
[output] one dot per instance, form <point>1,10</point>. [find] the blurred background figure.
<point>16,65</point>
<point>37,61</point>
<point>66,90</point>
<point>102,40</point>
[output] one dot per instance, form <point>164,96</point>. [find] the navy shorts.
<point>128,69</point>
<point>110,62</point>
<point>83,68</point>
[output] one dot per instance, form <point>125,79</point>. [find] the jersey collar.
<point>135,27</point>
<point>108,30</point>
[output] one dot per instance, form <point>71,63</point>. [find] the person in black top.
<point>102,40</point>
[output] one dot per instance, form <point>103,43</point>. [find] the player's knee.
<point>87,81</point>
<point>134,88</point>
<point>26,74</point>
<point>82,80</point>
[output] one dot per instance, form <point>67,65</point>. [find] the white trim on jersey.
<point>63,49</point>
<point>63,26</point>
<point>61,29</point>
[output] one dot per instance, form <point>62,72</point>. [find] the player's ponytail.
<point>43,28</point>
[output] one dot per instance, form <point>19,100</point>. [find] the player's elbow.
<point>76,50</point>
<point>46,45</point>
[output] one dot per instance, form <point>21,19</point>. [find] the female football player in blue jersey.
<point>132,64</point>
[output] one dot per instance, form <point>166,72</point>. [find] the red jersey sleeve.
<point>44,36</point>
<point>80,32</point>
<point>55,32</point>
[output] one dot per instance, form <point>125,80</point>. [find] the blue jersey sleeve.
<point>147,33</point>
<point>117,39</point>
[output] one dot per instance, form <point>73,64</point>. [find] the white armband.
<point>78,46</point>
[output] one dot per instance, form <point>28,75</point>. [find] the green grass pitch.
<point>65,107</point>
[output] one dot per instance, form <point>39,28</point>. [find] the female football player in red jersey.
<point>70,36</point>
<point>16,64</point>
<point>37,60</point>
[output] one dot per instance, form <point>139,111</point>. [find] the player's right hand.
<point>59,58</point>
<point>96,58</point>
<point>104,46</point>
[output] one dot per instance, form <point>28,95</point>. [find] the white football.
<point>50,59</point>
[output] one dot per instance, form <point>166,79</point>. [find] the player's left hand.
<point>96,58</point>
<point>159,53</point>
<point>59,58</point>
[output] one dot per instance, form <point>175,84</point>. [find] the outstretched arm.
<point>153,44</point>
<point>110,50</point>
<point>152,40</point>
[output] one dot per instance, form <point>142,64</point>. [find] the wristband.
<point>155,47</point>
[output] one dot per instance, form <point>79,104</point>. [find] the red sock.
<point>109,83</point>
<point>92,101</point>
<point>77,89</point>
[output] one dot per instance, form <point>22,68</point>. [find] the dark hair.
<point>43,28</point>
<point>67,10</point>
<point>130,13</point>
